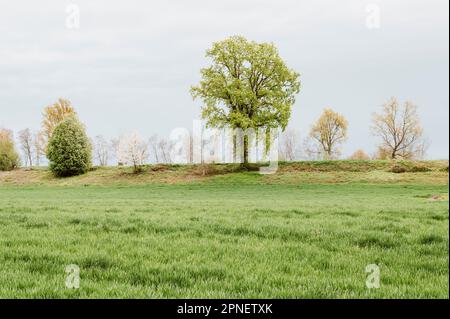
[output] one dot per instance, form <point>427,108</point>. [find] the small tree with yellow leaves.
<point>55,114</point>
<point>328,133</point>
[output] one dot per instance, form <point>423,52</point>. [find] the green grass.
<point>318,172</point>
<point>227,236</point>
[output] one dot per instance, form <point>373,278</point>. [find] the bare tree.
<point>115,149</point>
<point>39,143</point>
<point>164,149</point>
<point>400,130</point>
<point>153,142</point>
<point>101,150</point>
<point>26,144</point>
<point>290,145</point>
<point>161,148</point>
<point>312,151</point>
<point>421,149</point>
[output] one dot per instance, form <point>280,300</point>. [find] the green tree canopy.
<point>69,149</point>
<point>247,86</point>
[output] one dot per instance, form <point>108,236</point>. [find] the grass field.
<point>306,232</point>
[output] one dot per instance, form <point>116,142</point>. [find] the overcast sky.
<point>130,64</point>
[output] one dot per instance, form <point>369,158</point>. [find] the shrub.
<point>9,158</point>
<point>398,169</point>
<point>69,149</point>
<point>419,169</point>
<point>360,155</point>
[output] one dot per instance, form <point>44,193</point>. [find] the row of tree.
<point>397,126</point>
<point>246,87</point>
<point>62,141</point>
<point>249,86</point>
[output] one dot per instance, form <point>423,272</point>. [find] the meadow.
<point>308,231</point>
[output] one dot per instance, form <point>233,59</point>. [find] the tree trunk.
<point>245,150</point>
<point>394,154</point>
<point>327,154</point>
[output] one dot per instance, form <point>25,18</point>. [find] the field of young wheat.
<point>228,236</point>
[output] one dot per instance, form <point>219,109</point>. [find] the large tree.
<point>329,132</point>
<point>248,86</point>
<point>400,130</point>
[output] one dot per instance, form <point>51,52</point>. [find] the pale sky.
<point>130,64</point>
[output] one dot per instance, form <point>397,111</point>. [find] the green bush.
<point>9,159</point>
<point>69,150</point>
